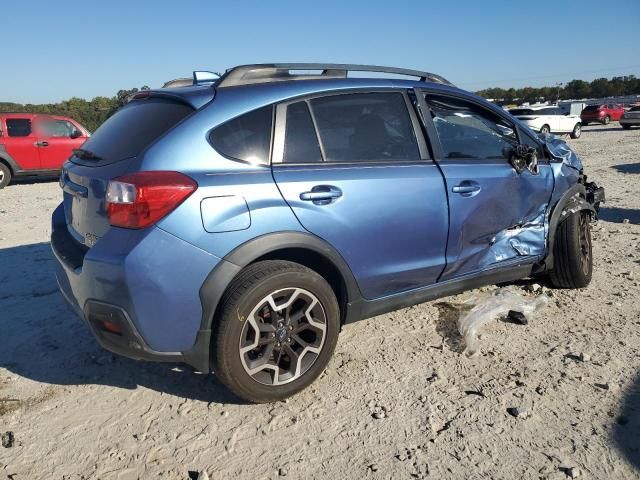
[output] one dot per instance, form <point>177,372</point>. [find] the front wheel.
<point>277,329</point>
<point>572,254</point>
<point>5,175</point>
<point>545,129</point>
<point>577,131</point>
<point>606,120</point>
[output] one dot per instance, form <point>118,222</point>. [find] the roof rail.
<point>275,72</point>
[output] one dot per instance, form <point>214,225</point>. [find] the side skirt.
<point>362,309</point>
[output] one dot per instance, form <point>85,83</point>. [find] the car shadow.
<point>27,180</point>
<point>44,341</point>
<point>626,429</point>
<point>627,168</point>
<point>619,215</point>
<point>602,129</point>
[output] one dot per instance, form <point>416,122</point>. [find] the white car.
<point>549,119</point>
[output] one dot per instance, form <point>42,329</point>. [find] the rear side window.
<point>522,111</point>
<point>591,108</point>
<point>18,127</point>
<point>134,127</point>
<point>365,127</point>
<point>469,131</point>
<point>246,138</point>
<point>300,141</point>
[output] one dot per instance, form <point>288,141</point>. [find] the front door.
<point>57,139</point>
<point>496,214</point>
<point>355,173</point>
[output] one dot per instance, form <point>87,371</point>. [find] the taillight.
<point>141,199</point>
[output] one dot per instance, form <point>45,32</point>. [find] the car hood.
<point>561,151</point>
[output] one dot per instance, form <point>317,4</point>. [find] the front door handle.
<point>467,188</point>
<point>41,144</point>
<point>321,194</point>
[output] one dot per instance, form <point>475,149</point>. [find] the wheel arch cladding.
<point>573,200</point>
<point>303,248</point>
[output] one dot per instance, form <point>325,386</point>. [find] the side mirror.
<point>75,134</point>
<point>524,158</point>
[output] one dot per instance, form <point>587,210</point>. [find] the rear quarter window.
<point>246,138</point>
<point>134,127</point>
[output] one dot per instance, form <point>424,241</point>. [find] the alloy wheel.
<point>283,336</point>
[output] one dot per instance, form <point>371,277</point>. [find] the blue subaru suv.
<point>238,223</point>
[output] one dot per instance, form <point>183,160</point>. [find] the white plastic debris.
<point>491,307</point>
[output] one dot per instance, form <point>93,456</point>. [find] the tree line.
<point>90,113</point>
<point>575,89</point>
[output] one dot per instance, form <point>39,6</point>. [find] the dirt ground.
<point>399,399</point>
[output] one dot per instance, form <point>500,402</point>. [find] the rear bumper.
<point>146,282</point>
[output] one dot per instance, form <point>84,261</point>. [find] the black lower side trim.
<point>363,309</point>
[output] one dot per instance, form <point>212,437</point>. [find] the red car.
<point>32,144</point>
<point>601,113</point>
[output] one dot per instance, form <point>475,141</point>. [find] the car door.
<point>21,141</point>
<point>57,139</point>
<point>356,173</point>
<point>496,214</point>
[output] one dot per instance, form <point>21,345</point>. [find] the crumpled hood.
<point>562,151</point>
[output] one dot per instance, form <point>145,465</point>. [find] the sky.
<point>56,50</point>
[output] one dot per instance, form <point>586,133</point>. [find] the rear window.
<point>134,127</point>
<point>522,111</point>
<point>591,108</point>
<point>18,127</point>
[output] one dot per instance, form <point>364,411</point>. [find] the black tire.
<point>572,253</point>
<point>584,124</point>
<point>577,131</point>
<point>606,120</point>
<point>545,129</point>
<point>625,127</point>
<point>5,175</point>
<point>247,293</point>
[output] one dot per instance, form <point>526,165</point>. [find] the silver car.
<point>630,118</point>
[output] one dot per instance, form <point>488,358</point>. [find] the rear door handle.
<point>41,144</point>
<point>467,188</point>
<point>321,194</point>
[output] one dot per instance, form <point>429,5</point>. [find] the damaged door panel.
<point>497,212</point>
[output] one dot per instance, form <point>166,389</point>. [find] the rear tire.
<point>572,253</point>
<point>545,129</point>
<point>584,124</point>
<point>577,131</point>
<point>606,120</point>
<point>625,127</point>
<point>266,354</point>
<point>5,175</point>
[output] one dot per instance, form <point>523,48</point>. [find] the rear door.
<point>21,142</point>
<point>356,173</point>
<point>496,214</point>
<point>57,139</point>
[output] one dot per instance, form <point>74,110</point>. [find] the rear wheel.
<point>626,127</point>
<point>577,131</point>
<point>5,175</point>
<point>545,129</point>
<point>572,254</point>
<point>606,120</point>
<point>584,124</point>
<point>276,332</point>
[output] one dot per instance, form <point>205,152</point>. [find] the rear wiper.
<point>86,154</point>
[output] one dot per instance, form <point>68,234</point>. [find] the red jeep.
<point>32,144</point>
<point>601,113</point>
